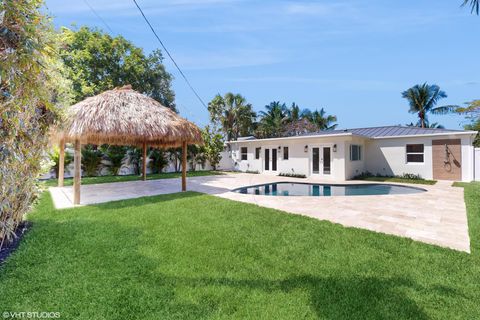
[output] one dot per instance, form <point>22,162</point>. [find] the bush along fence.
<point>119,160</point>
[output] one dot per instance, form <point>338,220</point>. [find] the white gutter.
<point>296,137</point>
<point>460,133</point>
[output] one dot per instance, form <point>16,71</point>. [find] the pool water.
<point>326,190</point>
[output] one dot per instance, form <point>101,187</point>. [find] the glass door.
<point>322,160</point>
<point>274,159</point>
<point>267,159</point>
<point>327,160</point>
<point>316,160</point>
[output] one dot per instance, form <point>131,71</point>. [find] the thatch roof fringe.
<point>123,116</point>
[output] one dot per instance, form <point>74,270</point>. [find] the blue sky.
<point>353,58</point>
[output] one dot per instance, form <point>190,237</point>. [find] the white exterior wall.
<point>299,161</point>
<point>354,168</point>
<point>468,159</point>
<point>388,157</point>
<point>477,164</point>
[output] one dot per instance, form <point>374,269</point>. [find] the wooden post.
<point>184,166</point>
<point>77,169</point>
<point>144,162</point>
<point>61,163</point>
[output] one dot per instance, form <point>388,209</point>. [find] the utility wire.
<point>98,16</point>
<point>170,56</point>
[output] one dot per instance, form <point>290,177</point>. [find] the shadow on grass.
<point>109,259</point>
<point>136,202</point>
<point>94,266</point>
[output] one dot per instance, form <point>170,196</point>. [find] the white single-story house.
<point>339,155</point>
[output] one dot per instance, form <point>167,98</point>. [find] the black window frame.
<point>244,153</point>
<point>359,153</point>
<point>258,150</point>
<point>285,153</point>
<point>413,154</point>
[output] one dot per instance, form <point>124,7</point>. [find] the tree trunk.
<point>144,162</point>
<point>77,172</point>
<point>184,166</point>
<point>61,163</point>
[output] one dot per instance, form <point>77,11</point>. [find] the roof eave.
<point>296,137</point>
<point>459,133</point>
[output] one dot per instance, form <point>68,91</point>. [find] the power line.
<point>98,16</point>
<point>170,56</point>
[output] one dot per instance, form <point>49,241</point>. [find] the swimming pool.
<point>326,190</point>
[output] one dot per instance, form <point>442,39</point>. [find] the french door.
<point>321,160</point>
<point>270,164</point>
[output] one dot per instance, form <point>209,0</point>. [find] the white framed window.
<point>257,153</point>
<point>285,153</point>
<point>244,153</point>
<point>415,153</point>
<point>355,152</point>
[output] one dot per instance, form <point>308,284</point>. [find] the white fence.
<point>477,164</point>
<point>225,164</point>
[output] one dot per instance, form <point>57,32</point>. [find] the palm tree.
<point>434,125</point>
<point>322,121</point>
<point>423,99</point>
<point>474,4</point>
<point>273,120</point>
<point>295,113</point>
<point>233,114</point>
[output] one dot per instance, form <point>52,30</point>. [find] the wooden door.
<point>447,159</point>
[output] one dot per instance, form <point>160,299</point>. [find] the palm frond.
<point>444,109</point>
<point>474,5</point>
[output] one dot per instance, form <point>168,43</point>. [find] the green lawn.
<point>401,180</point>
<point>107,179</point>
<point>195,256</point>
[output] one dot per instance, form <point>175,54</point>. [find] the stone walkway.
<point>437,216</point>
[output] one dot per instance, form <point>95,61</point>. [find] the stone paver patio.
<point>437,216</point>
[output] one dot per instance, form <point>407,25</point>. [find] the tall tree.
<point>232,114</point>
<point>472,113</point>
<point>213,145</point>
<point>322,121</point>
<point>423,99</point>
<point>273,119</point>
<point>96,62</point>
<point>474,5</point>
<point>32,93</point>
<point>294,113</point>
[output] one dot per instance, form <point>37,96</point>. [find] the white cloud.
<point>308,8</point>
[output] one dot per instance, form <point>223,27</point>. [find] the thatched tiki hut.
<point>123,116</point>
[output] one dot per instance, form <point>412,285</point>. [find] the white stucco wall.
<point>354,168</point>
<point>477,164</point>
<point>468,159</point>
<point>388,157</point>
<point>379,156</point>
<point>299,161</point>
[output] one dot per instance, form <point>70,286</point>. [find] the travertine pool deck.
<point>437,216</point>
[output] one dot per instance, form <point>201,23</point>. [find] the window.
<point>285,153</point>
<point>257,153</point>
<point>244,151</point>
<point>414,153</point>
<point>355,152</point>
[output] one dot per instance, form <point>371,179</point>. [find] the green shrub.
<point>55,158</point>
<point>158,160</point>
<point>91,160</point>
<point>292,175</point>
<point>32,89</point>
<point>115,156</point>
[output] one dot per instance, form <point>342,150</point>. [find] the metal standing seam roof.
<point>394,131</point>
<point>376,132</point>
